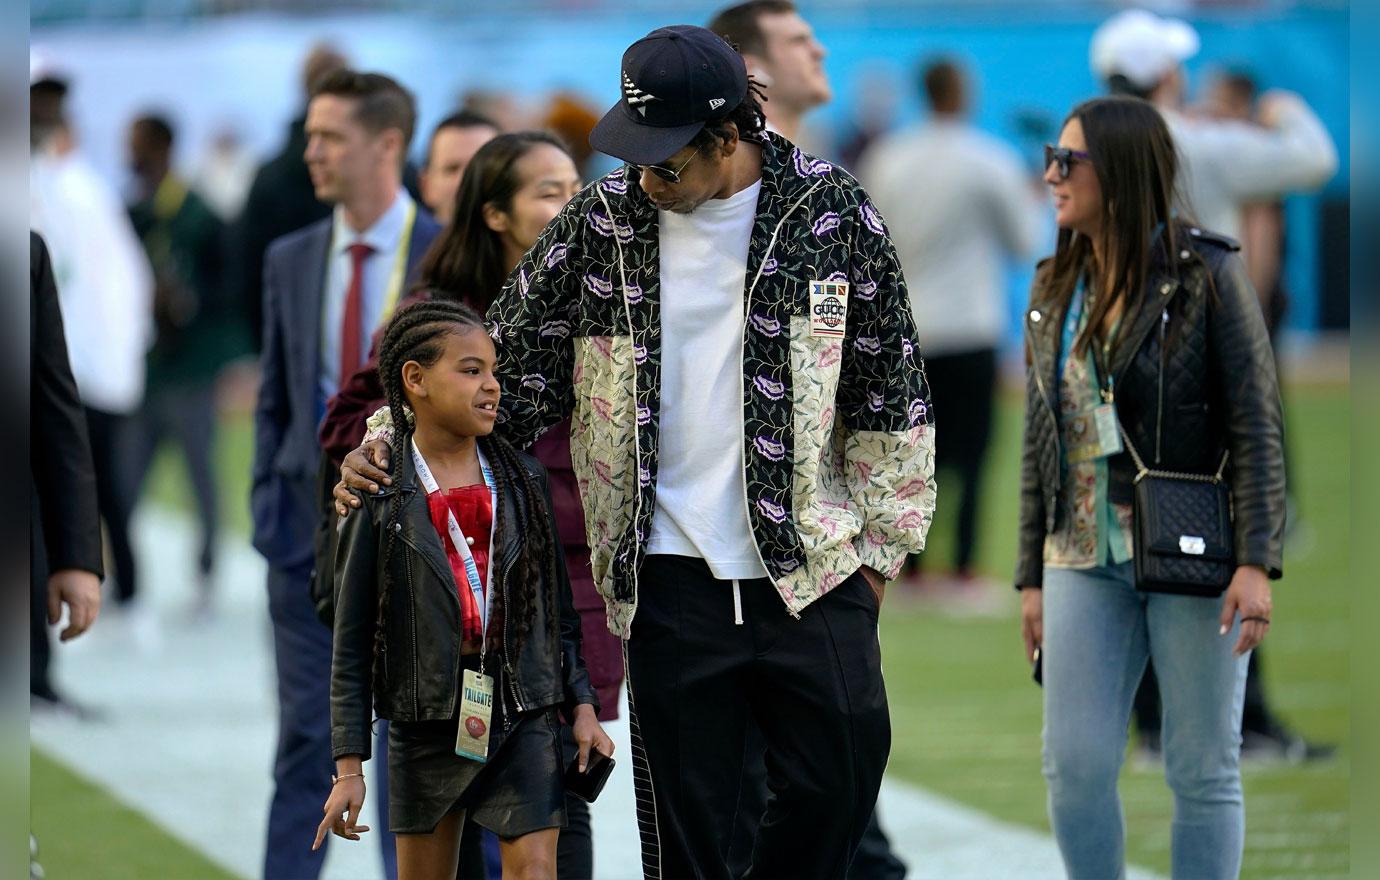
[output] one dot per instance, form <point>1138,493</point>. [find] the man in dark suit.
<point>65,538</point>
<point>327,288</point>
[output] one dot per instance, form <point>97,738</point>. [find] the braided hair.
<point>417,333</point>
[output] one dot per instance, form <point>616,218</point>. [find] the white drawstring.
<point>737,605</point>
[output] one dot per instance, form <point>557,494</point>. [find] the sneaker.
<point>1282,746</point>
<point>1148,755</point>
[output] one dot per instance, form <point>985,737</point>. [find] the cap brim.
<point>622,138</point>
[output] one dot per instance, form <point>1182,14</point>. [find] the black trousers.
<point>813,686</point>
<point>962,390</point>
<point>111,452</point>
<point>185,414</point>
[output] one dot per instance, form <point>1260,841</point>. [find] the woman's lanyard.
<point>1100,366</point>
<point>457,537</point>
<point>395,278</point>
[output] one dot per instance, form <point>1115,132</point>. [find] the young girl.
<point>453,601</point>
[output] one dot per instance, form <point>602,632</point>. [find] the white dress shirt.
<point>386,238</point>
<point>105,285</point>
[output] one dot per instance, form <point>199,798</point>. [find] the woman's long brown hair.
<point>1137,166</point>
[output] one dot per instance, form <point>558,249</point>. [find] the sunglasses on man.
<point>1063,159</point>
<point>670,176</point>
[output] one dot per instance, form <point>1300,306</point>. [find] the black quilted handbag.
<point>1182,530</point>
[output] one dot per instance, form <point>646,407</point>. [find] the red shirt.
<point>473,509</point>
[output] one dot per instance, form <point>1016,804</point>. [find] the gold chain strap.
<point>1142,471</point>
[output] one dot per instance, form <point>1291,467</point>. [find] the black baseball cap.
<point>673,81</point>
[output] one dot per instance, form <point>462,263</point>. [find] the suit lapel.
<point>310,301</point>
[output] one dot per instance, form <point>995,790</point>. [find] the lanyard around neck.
<point>457,537</point>
<point>1073,323</point>
<point>399,273</point>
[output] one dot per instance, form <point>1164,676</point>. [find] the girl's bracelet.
<point>335,779</point>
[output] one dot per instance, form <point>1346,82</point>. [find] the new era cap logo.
<point>636,98</point>
<point>716,103</point>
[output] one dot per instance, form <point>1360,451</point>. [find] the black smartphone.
<point>1036,668</point>
<point>587,785</point>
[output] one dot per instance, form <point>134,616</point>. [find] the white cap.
<point>1141,46</point>
<point>42,67</point>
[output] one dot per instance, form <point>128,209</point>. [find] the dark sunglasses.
<point>1064,159</point>
<point>666,174</point>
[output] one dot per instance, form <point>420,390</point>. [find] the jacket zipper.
<point>507,658</point>
<point>1040,386</point>
<point>637,433</point>
<point>1159,407</point>
<point>742,385</point>
<point>411,587</point>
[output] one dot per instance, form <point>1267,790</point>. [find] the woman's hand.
<point>1249,595</point>
<point>342,811</point>
<point>1032,620</point>
<point>364,469</point>
<point>588,734</point>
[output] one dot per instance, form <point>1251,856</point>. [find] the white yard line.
<point>189,721</point>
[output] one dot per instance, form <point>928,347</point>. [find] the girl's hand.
<point>1032,620</point>
<point>588,734</point>
<point>342,811</point>
<point>1249,595</point>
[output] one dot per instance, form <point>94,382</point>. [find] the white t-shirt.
<point>701,491</point>
<point>960,208</point>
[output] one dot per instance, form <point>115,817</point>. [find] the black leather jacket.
<point>418,673</point>
<point>1194,376</point>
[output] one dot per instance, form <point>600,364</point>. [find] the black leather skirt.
<point>517,791</point>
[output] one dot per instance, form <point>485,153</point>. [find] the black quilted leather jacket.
<point>417,677</point>
<point>1194,376</point>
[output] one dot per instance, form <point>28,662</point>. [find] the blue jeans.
<point>1098,632</point>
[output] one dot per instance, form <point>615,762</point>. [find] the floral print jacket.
<point>839,443</point>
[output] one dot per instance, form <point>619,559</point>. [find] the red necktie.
<point>352,325</point>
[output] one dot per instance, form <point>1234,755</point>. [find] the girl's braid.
<point>416,333</point>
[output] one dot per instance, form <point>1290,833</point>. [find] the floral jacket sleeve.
<point>883,401</point>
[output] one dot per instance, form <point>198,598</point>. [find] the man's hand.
<point>588,734</point>
<point>364,469</point>
<point>876,582</point>
<point>1032,620</point>
<point>80,591</point>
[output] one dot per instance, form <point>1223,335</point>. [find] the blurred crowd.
<point>161,276</point>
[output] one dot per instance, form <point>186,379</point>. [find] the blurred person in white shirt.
<point>105,291</point>
<point>961,208</point>
<point>1226,162</point>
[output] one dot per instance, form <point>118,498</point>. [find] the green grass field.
<point>84,832</point>
<point>966,717</point>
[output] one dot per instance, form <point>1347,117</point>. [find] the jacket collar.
<point>1045,321</point>
<point>787,174</point>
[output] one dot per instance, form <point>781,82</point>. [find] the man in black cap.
<point>726,320</point>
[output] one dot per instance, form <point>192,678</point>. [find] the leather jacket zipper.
<point>411,583</point>
<point>507,657</point>
<point>411,588</point>
<point>1159,407</point>
<point>1040,387</point>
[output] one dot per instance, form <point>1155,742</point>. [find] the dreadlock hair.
<point>417,333</point>
<point>748,117</point>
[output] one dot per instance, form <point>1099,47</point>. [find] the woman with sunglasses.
<point>1143,334</point>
